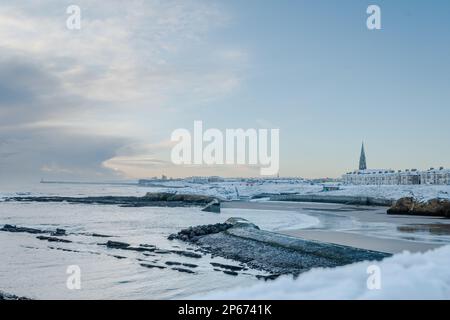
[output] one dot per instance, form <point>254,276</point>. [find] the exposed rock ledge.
<point>6,296</point>
<point>411,206</point>
<point>159,199</point>
<point>242,241</point>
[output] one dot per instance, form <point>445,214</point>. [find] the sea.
<point>44,270</point>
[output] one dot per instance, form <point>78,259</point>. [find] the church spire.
<point>362,159</point>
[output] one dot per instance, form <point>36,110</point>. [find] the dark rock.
<point>187,254</point>
<point>173,263</point>
<point>119,257</point>
<point>268,277</point>
<point>147,246</point>
<point>128,247</point>
<point>411,206</point>
<point>6,296</point>
<point>63,249</point>
<point>140,249</point>
<point>231,273</point>
<point>53,239</point>
<point>213,206</point>
<point>11,228</point>
<point>97,235</point>
<point>190,265</point>
<point>226,266</point>
<point>149,255</point>
<point>161,199</point>
<point>186,198</point>
<point>193,234</point>
<point>183,270</point>
<point>151,266</point>
<point>59,232</point>
<point>160,251</point>
<point>117,245</point>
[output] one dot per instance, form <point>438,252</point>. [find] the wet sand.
<point>351,225</point>
<point>362,241</point>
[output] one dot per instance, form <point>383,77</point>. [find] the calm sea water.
<point>37,269</point>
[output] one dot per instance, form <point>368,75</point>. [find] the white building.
<point>435,176</point>
<point>365,176</point>
<point>382,177</point>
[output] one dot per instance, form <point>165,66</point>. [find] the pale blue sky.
<point>138,71</point>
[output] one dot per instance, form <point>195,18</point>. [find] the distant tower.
<point>362,159</point>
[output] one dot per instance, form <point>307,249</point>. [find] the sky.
<point>100,103</point>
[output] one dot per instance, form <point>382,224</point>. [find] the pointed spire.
<point>362,159</point>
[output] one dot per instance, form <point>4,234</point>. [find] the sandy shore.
<point>362,241</point>
<point>362,226</point>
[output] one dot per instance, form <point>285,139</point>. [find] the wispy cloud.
<point>113,79</point>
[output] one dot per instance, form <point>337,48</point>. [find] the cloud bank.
<point>76,103</point>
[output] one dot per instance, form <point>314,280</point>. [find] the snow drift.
<point>403,276</point>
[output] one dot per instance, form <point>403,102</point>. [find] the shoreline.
<point>359,215</point>
<point>360,241</point>
<point>348,200</point>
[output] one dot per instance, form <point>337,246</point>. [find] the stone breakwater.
<point>411,206</point>
<point>242,241</point>
<point>353,200</point>
<point>160,199</point>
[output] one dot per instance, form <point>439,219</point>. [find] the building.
<point>372,177</point>
<point>204,180</point>
<point>365,176</point>
<point>435,176</point>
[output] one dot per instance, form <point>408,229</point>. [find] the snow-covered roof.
<point>437,170</point>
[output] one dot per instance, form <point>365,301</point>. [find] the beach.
<point>364,227</point>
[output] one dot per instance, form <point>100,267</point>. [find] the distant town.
<point>365,176</point>
<point>362,176</point>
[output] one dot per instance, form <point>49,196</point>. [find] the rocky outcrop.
<point>242,241</point>
<point>55,233</point>
<point>411,206</point>
<point>192,234</point>
<point>6,296</point>
<point>213,206</point>
<point>53,239</point>
<point>160,199</point>
<point>186,198</point>
<point>15,229</point>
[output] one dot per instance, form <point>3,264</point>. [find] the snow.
<point>234,189</point>
<point>420,192</point>
<point>403,276</point>
<point>227,189</point>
